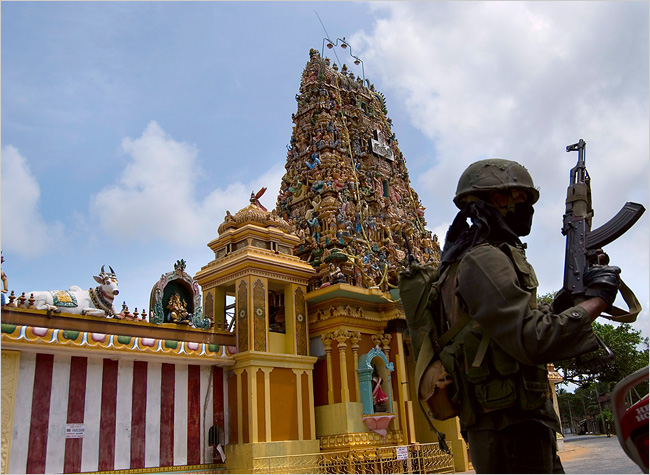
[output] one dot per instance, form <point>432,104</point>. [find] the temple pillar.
<point>10,365</point>
<point>354,344</point>
<point>341,337</point>
<point>327,341</point>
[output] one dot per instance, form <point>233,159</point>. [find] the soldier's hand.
<point>598,257</point>
<point>602,281</point>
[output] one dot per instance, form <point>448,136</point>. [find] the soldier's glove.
<point>603,282</point>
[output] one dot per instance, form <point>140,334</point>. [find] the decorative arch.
<point>177,284</point>
<point>385,368</point>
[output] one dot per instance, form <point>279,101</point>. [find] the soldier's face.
<point>517,212</point>
<point>520,219</point>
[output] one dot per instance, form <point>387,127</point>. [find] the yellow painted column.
<point>341,337</point>
<point>327,341</point>
<point>312,414</point>
<point>402,383</point>
<point>259,306</point>
<point>385,340</point>
<point>252,404</point>
<point>240,409</point>
<point>10,366</point>
<point>298,374</point>
<point>243,314</point>
<point>376,339</point>
<point>267,403</point>
<point>219,307</point>
<point>354,344</point>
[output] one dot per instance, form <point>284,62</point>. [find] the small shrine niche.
<point>375,390</point>
<point>276,312</point>
<point>177,302</point>
<point>176,299</point>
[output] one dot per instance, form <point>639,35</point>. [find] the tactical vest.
<point>485,376</point>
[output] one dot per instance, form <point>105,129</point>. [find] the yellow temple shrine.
<point>286,353</point>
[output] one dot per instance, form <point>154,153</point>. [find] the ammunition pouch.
<point>488,379</point>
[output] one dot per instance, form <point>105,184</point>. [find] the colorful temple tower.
<point>346,189</point>
<point>347,195</point>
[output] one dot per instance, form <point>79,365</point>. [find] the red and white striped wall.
<point>132,414</point>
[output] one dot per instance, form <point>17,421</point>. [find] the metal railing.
<point>415,458</point>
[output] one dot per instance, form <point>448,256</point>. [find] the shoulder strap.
<point>634,307</point>
<point>447,336</point>
<point>461,320</point>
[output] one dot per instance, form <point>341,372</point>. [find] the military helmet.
<point>495,174</point>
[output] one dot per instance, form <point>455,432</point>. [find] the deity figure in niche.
<point>177,309</point>
<point>379,398</point>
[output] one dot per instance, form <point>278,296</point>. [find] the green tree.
<point>609,425</point>
<point>630,350</point>
<point>630,354</point>
<point>572,409</point>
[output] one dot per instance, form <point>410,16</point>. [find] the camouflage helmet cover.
<point>495,174</point>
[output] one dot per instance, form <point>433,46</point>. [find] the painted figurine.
<point>379,398</point>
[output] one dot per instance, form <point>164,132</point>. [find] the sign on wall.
<point>74,431</point>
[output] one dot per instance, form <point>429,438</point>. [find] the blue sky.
<point>128,129</point>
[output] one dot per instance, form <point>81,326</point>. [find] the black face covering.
<point>487,225</point>
<point>521,219</point>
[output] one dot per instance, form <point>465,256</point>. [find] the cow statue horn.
<point>102,269</point>
<point>112,271</point>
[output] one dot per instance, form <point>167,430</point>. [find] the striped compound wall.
<point>83,414</point>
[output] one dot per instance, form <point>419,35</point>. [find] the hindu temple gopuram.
<point>346,190</point>
<point>286,353</point>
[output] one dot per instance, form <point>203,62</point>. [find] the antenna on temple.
<point>327,36</point>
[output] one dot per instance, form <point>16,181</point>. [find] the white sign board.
<point>74,431</point>
<point>382,150</point>
<point>402,452</point>
<point>380,147</point>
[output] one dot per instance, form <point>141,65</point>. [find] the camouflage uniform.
<point>498,360</point>
<point>496,286</point>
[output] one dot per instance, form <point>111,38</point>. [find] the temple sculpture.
<point>346,190</point>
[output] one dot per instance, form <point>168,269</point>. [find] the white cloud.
<point>519,80</point>
<point>522,80</point>
<point>157,196</point>
<point>24,230</point>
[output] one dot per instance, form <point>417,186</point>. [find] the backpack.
<point>491,379</point>
<point>420,293</point>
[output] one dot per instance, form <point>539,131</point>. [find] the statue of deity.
<point>177,309</point>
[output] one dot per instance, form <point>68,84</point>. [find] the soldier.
<point>498,360</point>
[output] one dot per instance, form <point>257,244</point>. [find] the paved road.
<point>595,454</point>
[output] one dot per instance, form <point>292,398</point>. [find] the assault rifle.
<point>584,246</point>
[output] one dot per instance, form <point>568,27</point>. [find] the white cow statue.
<point>97,302</point>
